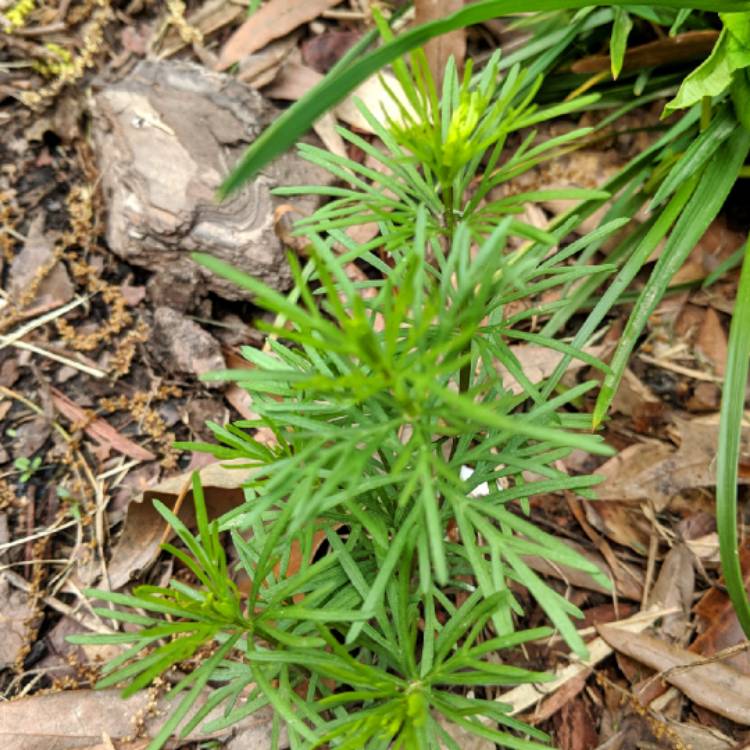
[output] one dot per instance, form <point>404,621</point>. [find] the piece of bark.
<point>166,136</point>
<point>184,346</point>
<point>692,45</point>
<point>75,719</point>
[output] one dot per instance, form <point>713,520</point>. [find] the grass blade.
<point>730,431</point>
<point>296,120</point>
<point>702,208</point>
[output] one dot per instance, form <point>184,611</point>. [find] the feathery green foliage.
<point>409,440</point>
<point>407,434</point>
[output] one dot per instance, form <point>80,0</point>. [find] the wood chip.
<point>98,429</point>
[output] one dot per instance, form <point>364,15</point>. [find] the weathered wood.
<point>165,137</point>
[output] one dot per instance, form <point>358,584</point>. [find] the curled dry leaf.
<point>674,588</point>
<point>139,544</point>
<point>37,253</point>
<point>722,628</point>
<point>15,611</point>
<point>712,342</point>
<point>628,580</point>
<point>295,80</point>
<point>711,684</point>
<point>271,21</point>
<point>440,49</point>
<point>656,472</point>
<point>692,45</point>
<point>323,51</point>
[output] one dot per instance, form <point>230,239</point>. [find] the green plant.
<point>27,467</point>
<point>728,453</point>
<point>354,68</point>
<point>408,437</point>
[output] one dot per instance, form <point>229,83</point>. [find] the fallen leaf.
<point>262,67</point>
<point>14,613</point>
<point>722,628</point>
<point>295,80</point>
<point>656,472</point>
<point>271,21</point>
<point>440,49</point>
<point>102,432</point>
<point>463,738</point>
<point>551,705</point>
<point>674,588</point>
<point>575,727</point>
<point>622,522</point>
<point>628,579</point>
<point>56,287</point>
<point>139,544</point>
<point>717,244</point>
<point>713,685</point>
<point>525,696</point>
<point>692,45</point>
<point>706,397</point>
<point>712,341</point>
<point>701,738</point>
<point>241,400</point>
<point>184,345</point>
<point>538,363</point>
<point>632,394</point>
<point>77,719</point>
<point>31,436</point>
<point>323,51</point>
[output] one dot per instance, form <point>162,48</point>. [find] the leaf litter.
<point>94,435</point>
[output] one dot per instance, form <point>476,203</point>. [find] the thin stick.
<point>176,509</point>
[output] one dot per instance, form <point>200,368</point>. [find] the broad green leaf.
<point>715,75</point>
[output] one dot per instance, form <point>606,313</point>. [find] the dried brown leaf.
<point>445,46</point>
<point>628,579</point>
<point>38,257</point>
<point>692,45</point>
<point>712,341</point>
<point>295,80</point>
<point>525,696</point>
<point>538,363</point>
<point>323,51</point>
<point>722,628</point>
<point>271,21</point>
<point>656,472</point>
<point>15,611</point>
<point>713,685</point>
<point>139,544</point>
<point>77,719</point>
<point>674,587</point>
